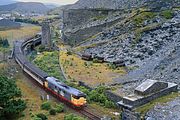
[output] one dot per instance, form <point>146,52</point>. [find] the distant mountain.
<point>25,7</point>
<point>51,6</point>
<point>6,2</point>
<point>59,10</point>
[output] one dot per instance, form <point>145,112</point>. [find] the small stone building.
<point>46,35</point>
<point>146,92</point>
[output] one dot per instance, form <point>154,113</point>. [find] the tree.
<point>10,101</point>
<point>5,43</point>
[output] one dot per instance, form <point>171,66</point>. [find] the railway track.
<point>89,114</point>
<point>85,111</point>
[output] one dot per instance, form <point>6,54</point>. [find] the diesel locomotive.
<point>64,92</point>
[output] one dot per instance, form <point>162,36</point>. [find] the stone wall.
<point>80,24</point>
<point>46,35</point>
<point>149,98</point>
<point>115,98</point>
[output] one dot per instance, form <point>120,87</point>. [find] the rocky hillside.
<point>147,40</point>
<point>146,36</point>
<point>25,7</point>
<point>122,4</point>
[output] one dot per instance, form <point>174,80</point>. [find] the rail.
<point>85,111</point>
<point>89,114</point>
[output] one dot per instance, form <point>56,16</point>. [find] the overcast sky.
<point>59,2</point>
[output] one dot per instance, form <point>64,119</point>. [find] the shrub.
<point>52,112</point>
<point>112,66</point>
<point>46,106</point>
<point>72,117</point>
<point>109,104</point>
<point>85,64</point>
<point>42,116</point>
<point>69,52</point>
<point>95,60</point>
<point>94,96</point>
<point>139,19</point>
<point>101,89</point>
<point>168,14</point>
<point>41,48</point>
<point>59,108</point>
<point>36,118</point>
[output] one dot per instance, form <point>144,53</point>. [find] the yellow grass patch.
<point>21,33</point>
<point>86,71</point>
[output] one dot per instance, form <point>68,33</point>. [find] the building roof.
<point>150,86</point>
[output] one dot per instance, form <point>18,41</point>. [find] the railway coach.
<point>66,93</point>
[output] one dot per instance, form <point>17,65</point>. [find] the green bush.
<point>109,104</point>
<point>59,108</point>
<point>36,118</point>
<point>42,116</point>
<point>41,48</point>
<point>112,66</point>
<point>73,117</point>
<point>168,14</point>
<point>69,52</point>
<point>98,95</point>
<point>49,63</point>
<point>52,111</point>
<point>139,19</point>
<point>95,60</point>
<point>4,43</point>
<point>46,106</point>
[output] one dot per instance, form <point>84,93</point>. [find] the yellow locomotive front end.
<point>78,100</point>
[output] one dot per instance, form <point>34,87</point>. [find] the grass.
<point>49,62</point>
<point>32,97</point>
<point>18,34</point>
<point>91,73</point>
<point>106,111</point>
<point>139,19</point>
<point>33,101</point>
<point>145,108</point>
<point>42,18</point>
<point>168,14</point>
<point>139,31</point>
<point>101,17</point>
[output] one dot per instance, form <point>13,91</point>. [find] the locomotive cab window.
<point>75,97</point>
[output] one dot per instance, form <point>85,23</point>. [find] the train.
<point>64,92</point>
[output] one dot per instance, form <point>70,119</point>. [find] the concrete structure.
<point>46,35</point>
<point>150,86</point>
<point>146,92</point>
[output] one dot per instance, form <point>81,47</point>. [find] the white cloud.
<point>60,2</point>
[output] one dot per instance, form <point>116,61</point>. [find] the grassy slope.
<point>88,72</point>
<point>49,62</point>
<point>16,34</point>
